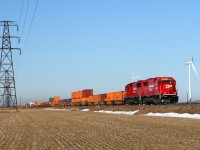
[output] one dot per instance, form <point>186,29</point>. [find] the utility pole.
<point>7,81</point>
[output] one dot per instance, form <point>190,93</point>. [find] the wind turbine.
<point>133,76</point>
<point>190,63</point>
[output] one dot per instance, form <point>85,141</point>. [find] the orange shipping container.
<point>86,93</point>
<point>82,94</point>
<point>56,99</point>
<point>75,100</point>
<point>33,105</point>
<point>115,96</point>
<point>45,104</point>
<point>84,99</point>
<point>91,99</point>
<point>87,99</point>
<point>37,102</point>
<point>99,97</point>
<point>102,97</point>
<point>73,95</point>
<point>96,98</point>
<point>76,94</point>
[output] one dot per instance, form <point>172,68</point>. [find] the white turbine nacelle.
<point>188,62</point>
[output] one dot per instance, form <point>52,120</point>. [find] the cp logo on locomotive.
<point>168,86</point>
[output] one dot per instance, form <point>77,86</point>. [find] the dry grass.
<point>42,129</point>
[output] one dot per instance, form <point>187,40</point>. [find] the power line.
<point>21,12</point>
<point>19,60</point>
<point>31,24</point>
<point>18,57</point>
<point>25,18</point>
<point>27,38</point>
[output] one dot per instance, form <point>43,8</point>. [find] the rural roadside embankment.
<point>144,109</point>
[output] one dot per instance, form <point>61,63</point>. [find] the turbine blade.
<point>131,71</point>
<point>195,71</point>
<point>136,77</point>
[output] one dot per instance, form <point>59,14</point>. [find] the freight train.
<point>158,90</point>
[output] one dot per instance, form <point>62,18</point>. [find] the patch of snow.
<point>177,115</point>
<point>118,112</point>
<point>57,109</point>
<point>85,109</point>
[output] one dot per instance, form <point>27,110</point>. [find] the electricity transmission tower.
<point>7,81</point>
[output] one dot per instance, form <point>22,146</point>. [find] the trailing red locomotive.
<point>159,90</point>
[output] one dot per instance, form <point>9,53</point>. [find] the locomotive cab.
<point>166,88</point>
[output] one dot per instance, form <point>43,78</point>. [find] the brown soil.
<point>47,129</point>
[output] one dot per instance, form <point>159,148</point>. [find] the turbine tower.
<point>7,81</point>
<point>133,76</point>
<point>190,63</point>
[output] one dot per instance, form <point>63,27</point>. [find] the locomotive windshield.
<point>138,85</point>
<point>166,81</point>
<point>145,83</point>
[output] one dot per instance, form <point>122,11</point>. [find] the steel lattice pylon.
<point>7,81</point>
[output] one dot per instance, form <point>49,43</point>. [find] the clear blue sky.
<point>78,44</point>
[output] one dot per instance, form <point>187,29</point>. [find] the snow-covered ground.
<point>85,109</point>
<point>118,112</point>
<point>57,109</point>
<point>177,115</point>
<point>171,114</point>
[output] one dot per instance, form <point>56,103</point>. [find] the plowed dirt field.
<point>48,129</point>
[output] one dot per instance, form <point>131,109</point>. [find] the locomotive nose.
<point>168,89</point>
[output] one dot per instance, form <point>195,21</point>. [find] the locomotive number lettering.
<point>151,86</point>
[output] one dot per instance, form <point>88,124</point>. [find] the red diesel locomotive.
<point>159,90</point>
